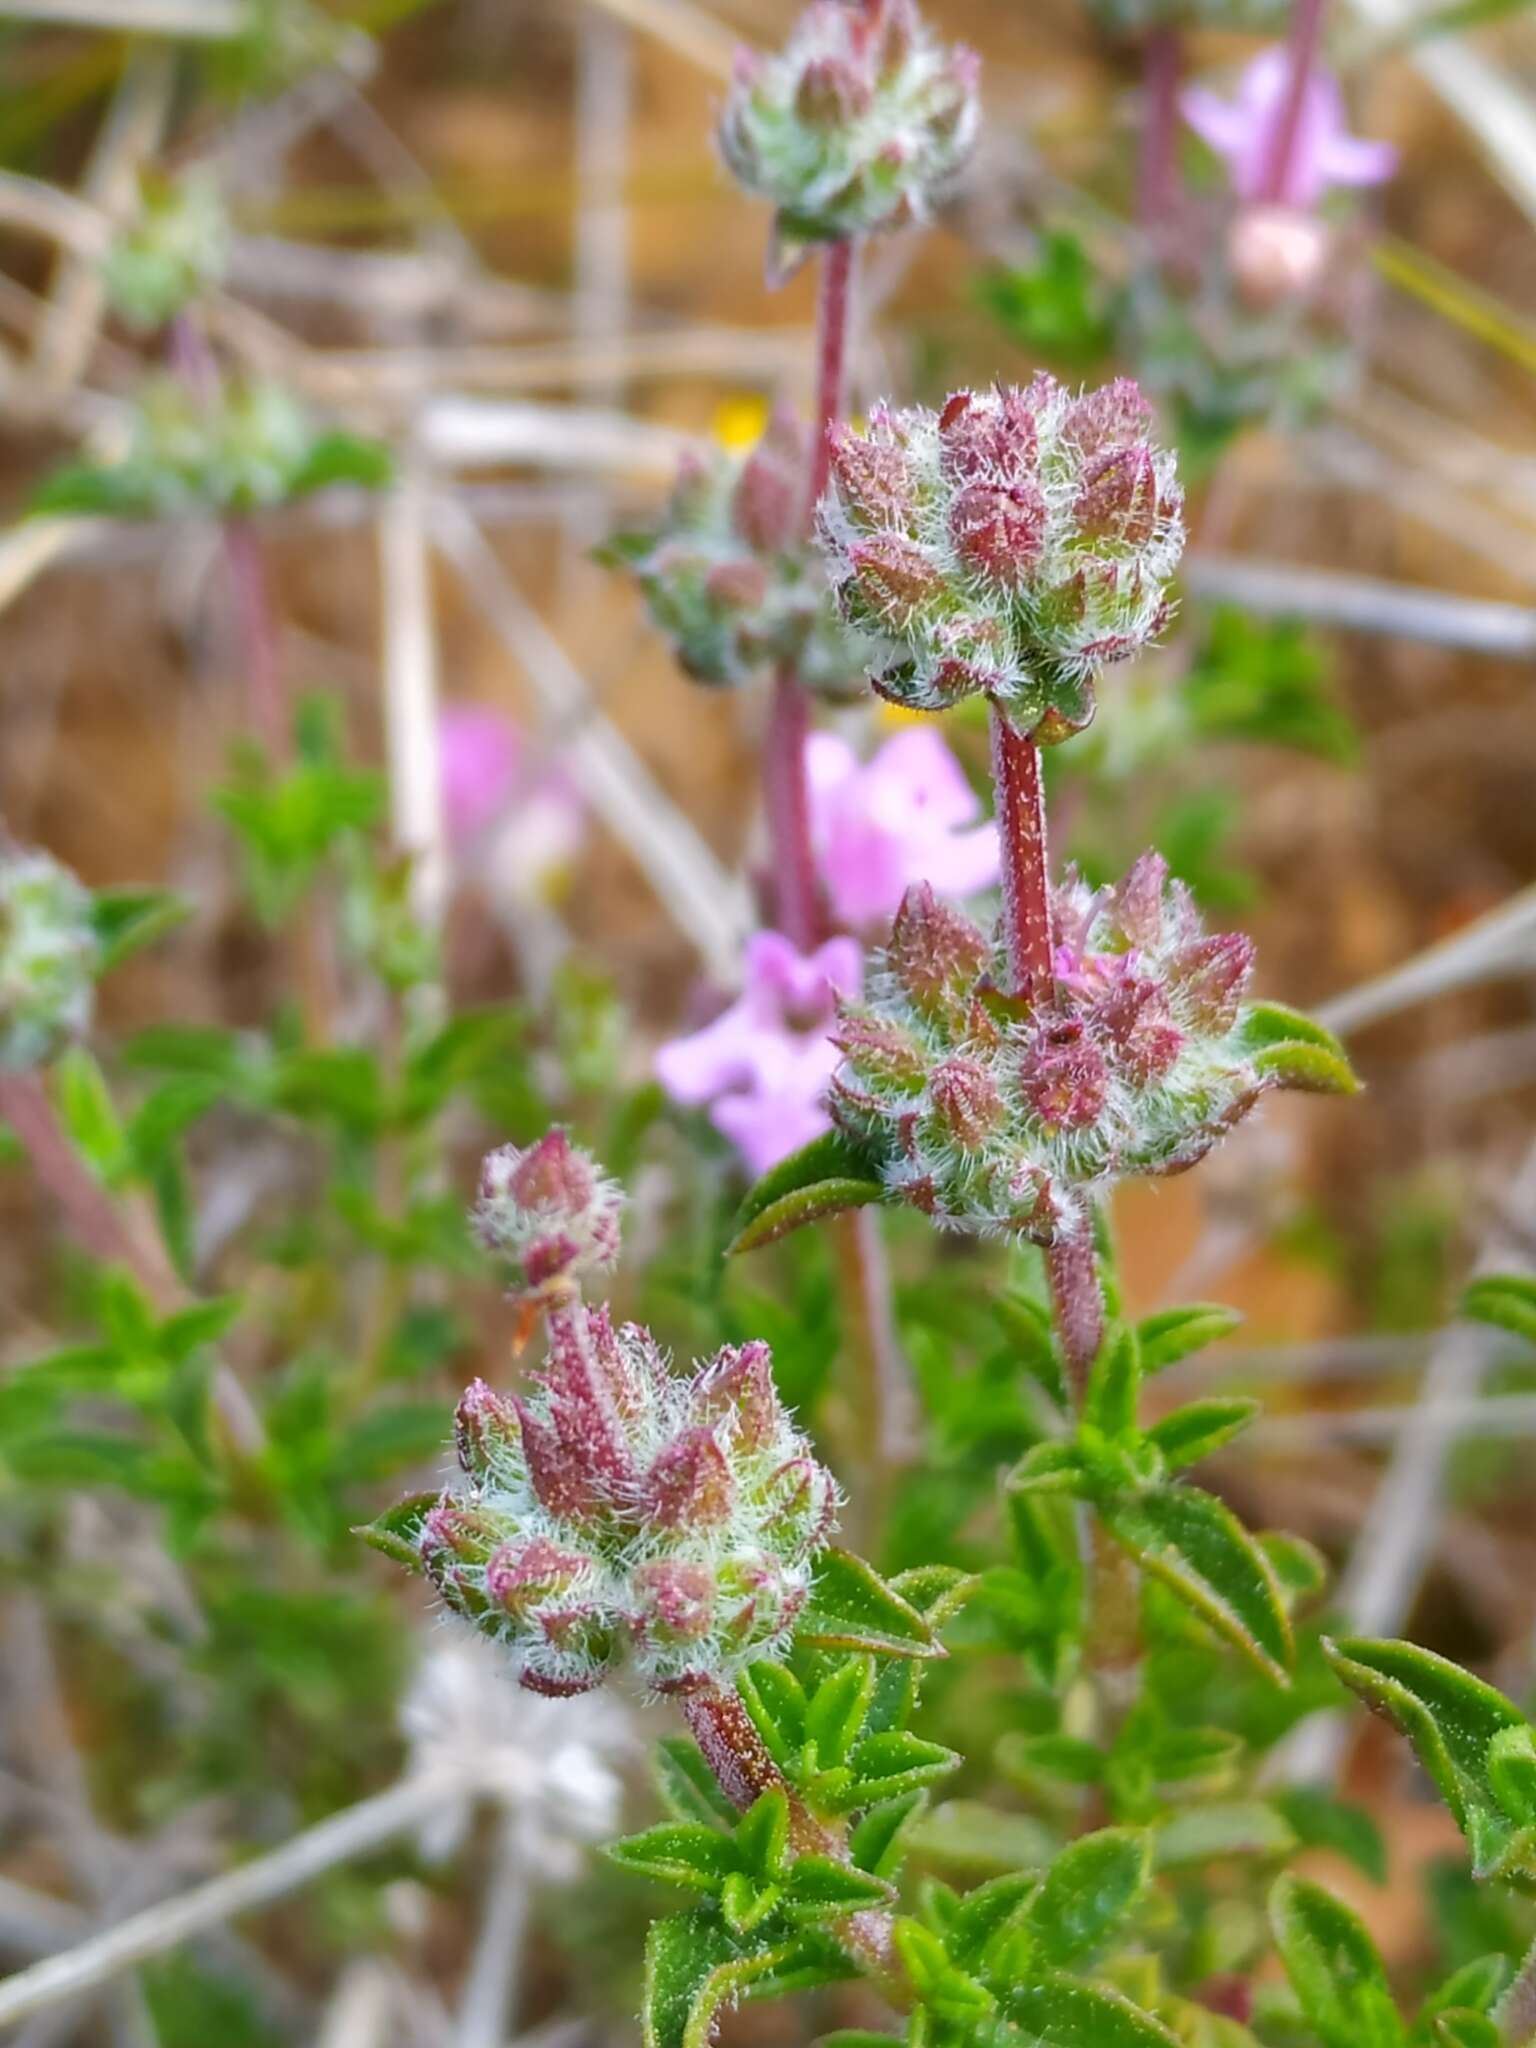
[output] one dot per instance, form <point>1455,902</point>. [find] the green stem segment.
<point>744,1771</point>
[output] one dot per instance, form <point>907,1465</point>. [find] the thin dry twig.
<point>488,2008</point>
<point>704,901</point>
<point>355,1832</point>
<point>692,31</point>
<point>1364,604</point>
<point>411,693</point>
<point>1500,945</point>
<point>210,20</point>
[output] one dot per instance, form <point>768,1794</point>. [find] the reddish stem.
<point>1163,65</point>
<point>1305,45</point>
<point>111,1233</point>
<point>797,896</point>
<point>744,1771</point>
<point>258,639</point>
<point>1079,1305</point>
<point>1020,804</point>
<point>833,311</point>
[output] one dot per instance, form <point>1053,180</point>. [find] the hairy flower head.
<point>860,124</point>
<point>1011,544</point>
<point>1011,1115</point>
<point>49,952</point>
<point>550,1211</point>
<point>620,1510</point>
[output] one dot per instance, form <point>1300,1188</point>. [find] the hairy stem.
<point>833,311</point>
<point>1079,1305</point>
<point>1019,801</point>
<point>744,1771</point>
<point>258,637</point>
<point>1515,2013</point>
<point>112,1232</point>
<point>1163,64</point>
<point>786,799</point>
<point>1305,46</point>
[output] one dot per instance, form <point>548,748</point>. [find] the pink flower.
<point>908,815</point>
<point>763,1066</point>
<point>481,752</point>
<point>1242,131</point>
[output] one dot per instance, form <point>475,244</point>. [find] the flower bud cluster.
<point>176,248</point>
<point>860,124</point>
<point>1009,1114</point>
<point>48,957</point>
<point>233,450</point>
<point>1011,544</point>
<point>623,1510</point>
<point>728,578</point>
<point>551,1212</point>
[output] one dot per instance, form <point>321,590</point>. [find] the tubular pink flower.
<point>762,1067</point>
<point>1241,131</point>
<point>907,815</point>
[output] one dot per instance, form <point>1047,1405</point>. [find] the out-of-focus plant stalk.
<point>1162,68</point>
<point>1305,49</point>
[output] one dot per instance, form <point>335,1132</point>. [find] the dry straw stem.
<point>1500,946</point>
<point>690,30</point>
<point>356,1831</point>
<point>705,903</point>
<point>130,137</point>
<point>411,693</point>
<point>211,20</point>
<point>1402,1523</point>
<point>1364,604</point>
<point>1497,1416</point>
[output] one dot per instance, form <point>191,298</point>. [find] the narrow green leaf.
<point>87,1112</point>
<point>1175,1333</point>
<point>1320,1820</point>
<point>1451,1718</point>
<point>837,1709</point>
<point>746,1902</point>
<point>1198,1548</point>
<point>1027,1326</point>
<point>679,1852</point>
<point>1507,1300</point>
<point>1198,1428</point>
<point>852,1608</point>
<point>687,1784</point>
<point>819,1888</point>
<point>1308,1068</point>
<point>1460,2027</point>
<point>1087,1891</point>
<point>1050,1468</point>
<point>1512,1773</point>
<point>976,1840</point>
<point>884,1766</point>
<point>937,1980</point>
<point>397,1531</point>
<point>1265,1024</point>
<point>1113,1385</point>
<point>127,919</point>
<point>806,1205</point>
<point>762,1834</point>
<point>1070,2014</point>
<point>1476,1987</point>
<point>694,1967</point>
<point>877,1843</point>
<point>828,1175</point>
<point>1226,1827</point>
<point>775,1700</point>
<point>1334,1968</point>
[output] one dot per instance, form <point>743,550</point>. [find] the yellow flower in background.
<point>740,421</point>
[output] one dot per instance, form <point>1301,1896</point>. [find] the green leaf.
<point>87,1113</point>
<point>678,1852</point>
<point>1334,1968</point>
<point>125,920</point>
<point>337,458</point>
<point>1050,1468</point>
<point>1476,1987</point>
<point>821,1179</point>
<point>1208,1833</point>
<point>746,1902</point>
<point>1459,2027</point>
<point>1070,2014</point>
<point>1452,1719</point>
<point>938,1982</point>
<point>1295,1051</point>
<point>1088,1890</point>
<point>687,1784</point>
<point>877,1843</point>
<point>885,1766</point>
<point>837,1709</point>
<point>694,1966</point>
<point>1320,1820</point>
<point>762,1834</point>
<point>1175,1333</point>
<point>1113,1385</point>
<point>1198,1548</point>
<point>398,1530</point>
<point>775,1700</point>
<point>1196,1430</point>
<point>1507,1300</point>
<point>1029,1330</point>
<point>972,1839</point>
<point>204,1323</point>
<point>1512,1773</point>
<point>852,1608</point>
<point>1299,1565</point>
<point>819,1888</point>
